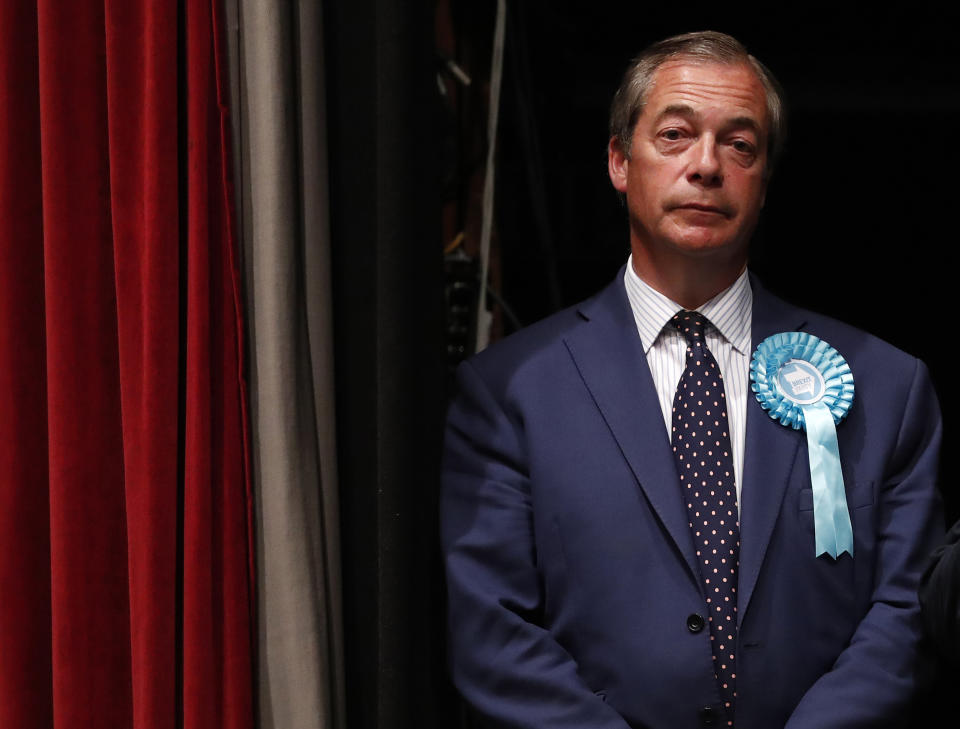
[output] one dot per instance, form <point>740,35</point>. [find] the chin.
<point>709,243</point>
<point>708,248</point>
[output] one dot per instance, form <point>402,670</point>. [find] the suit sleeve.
<point>873,681</point>
<point>504,661</point>
<point>940,597</point>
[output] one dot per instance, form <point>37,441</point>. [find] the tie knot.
<point>691,324</point>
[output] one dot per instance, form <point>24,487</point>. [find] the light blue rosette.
<point>807,385</point>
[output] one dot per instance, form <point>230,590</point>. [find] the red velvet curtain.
<point>125,546</point>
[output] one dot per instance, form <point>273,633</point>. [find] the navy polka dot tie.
<point>701,448</point>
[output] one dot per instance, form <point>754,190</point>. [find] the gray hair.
<point>704,47</point>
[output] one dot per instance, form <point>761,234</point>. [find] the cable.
<point>486,230</point>
<point>505,307</point>
<point>454,244</point>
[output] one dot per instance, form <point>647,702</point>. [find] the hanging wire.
<point>454,244</point>
<point>486,230</point>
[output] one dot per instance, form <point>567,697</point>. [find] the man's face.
<point>695,178</point>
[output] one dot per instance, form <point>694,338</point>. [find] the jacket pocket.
<point>859,496</point>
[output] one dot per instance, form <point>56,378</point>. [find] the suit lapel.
<point>772,452</point>
<point>610,358</point>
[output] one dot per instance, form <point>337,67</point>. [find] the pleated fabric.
<point>279,72</point>
<point>125,531</point>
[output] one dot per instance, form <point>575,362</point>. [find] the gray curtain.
<point>276,59</point>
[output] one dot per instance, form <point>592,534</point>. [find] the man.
<point>629,537</point>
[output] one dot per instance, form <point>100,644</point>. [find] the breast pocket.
<point>859,496</point>
<point>847,581</point>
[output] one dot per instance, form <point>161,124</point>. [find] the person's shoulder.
<point>860,343</point>
<point>533,342</point>
<point>539,348</point>
<point>890,385</point>
<point>858,346</point>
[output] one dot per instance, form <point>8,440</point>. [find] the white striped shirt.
<point>728,339</point>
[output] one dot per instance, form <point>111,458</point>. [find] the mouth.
<point>704,208</point>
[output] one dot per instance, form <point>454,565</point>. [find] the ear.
<point>617,165</point>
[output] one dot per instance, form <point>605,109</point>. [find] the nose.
<point>705,166</point>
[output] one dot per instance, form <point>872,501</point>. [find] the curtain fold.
<point>26,681</point>
<point>124,497</point>
<point>279,69</point>
<point>141,47</point>
<point>88,541</point>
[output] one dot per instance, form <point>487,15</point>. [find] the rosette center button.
<point>800,382</point>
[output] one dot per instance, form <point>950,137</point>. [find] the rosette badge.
<point>807,385</point>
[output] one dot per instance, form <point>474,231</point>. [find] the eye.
<point>671,135</point>
<point>743,146</point>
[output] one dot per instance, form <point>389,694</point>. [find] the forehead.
<point>732,90</point>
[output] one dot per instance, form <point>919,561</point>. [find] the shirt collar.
<point>729,311</point>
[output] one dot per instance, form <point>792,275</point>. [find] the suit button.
<point>709,716</point>
<point>694,623</point>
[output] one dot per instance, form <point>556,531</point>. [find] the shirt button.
<point>694,623</point>
<point>709,716</point>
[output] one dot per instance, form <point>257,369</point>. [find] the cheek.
<point>650,184</point>
<point>750,191</point>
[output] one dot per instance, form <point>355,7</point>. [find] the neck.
<point>691,282</point>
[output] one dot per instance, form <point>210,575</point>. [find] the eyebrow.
<point>685,110</point>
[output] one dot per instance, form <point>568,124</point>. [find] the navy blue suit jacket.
<point>570,564</point>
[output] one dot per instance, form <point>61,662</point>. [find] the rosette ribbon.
<point>807,385</point>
